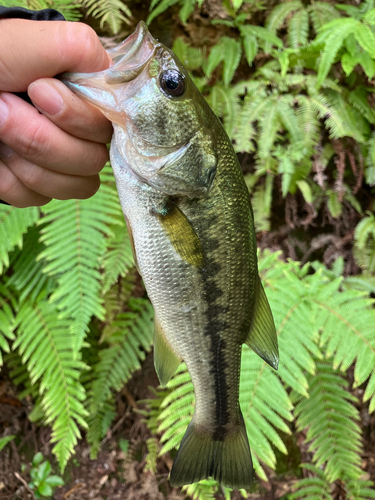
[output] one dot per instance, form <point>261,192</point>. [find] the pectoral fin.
<point>181,234</point>
<point>262,337</point>
<point>131,239</point>
<point>165,360</point>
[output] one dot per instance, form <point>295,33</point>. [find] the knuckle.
<point>34,140</point>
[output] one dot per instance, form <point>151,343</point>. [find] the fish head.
<point>164,129</point>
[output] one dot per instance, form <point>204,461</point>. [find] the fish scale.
<point>189,217</point>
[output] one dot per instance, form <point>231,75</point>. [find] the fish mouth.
<point>129,59</point>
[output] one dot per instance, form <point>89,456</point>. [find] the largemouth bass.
<point>190,220</point>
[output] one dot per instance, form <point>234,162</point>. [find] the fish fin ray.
<point>165,360</point>
<point>131,239</point>
<point>262,337</point>
<point>200,456</point>
<point>181,234</point>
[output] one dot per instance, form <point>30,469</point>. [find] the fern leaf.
<point>314,488</point>
<point>261,203</point>
<point>224,102</point>
<point>252,110</point>
<point>338,30</point>
<point>329,416</point>
<point>366,38</point>
<point>132,334</point>
<point>322,13</point>
<point>250,46</point>
<point>157,7</point>
<point>118,258</point>
<point>203,490</point>
<point>263,34</point>
<point>268,128</point>
<point>74,233</point>
<point>347,336</point>
<point>46,346</point>
<point>278,16</point>
<point>27,277</point>
<point>13,224</point>
<point>335,116</point>
<point>298,29</point>
<point>8,306</point>
<point>111,12</point>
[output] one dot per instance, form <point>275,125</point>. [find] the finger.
<point>69,112</point>
<point>15,193</point>
<point>38,140</point>
<point>51,184</point>
<point>31,50</point>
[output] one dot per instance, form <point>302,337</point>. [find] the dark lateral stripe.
<point>214,328</point>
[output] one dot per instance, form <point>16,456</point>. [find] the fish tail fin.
<point>228,460</point>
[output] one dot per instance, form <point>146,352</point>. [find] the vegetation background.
<point>294,84</point>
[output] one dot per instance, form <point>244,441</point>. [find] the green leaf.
<point>38,459</point>
<point>5,440</point>
<point>298,29</point>
<point>366,38</point>
<point>262,34</point>
<point>250,46</point>
<point>338,30</point>
<point>348,62</point>
<point>44,470</point>
<point>74,233</point>
<point>54,481</point>
<point>334,205</point>
<point>305,190</point>
<point>162,6</point>
<point>14,222</point>
<point>45,489</point>
<point>278,16</point>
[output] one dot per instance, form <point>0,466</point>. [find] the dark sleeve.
<point>31,15</point>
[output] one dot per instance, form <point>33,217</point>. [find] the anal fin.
<point>262,337</point>
<point>165,360</point>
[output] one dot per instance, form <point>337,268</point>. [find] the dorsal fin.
<point>262,337</point>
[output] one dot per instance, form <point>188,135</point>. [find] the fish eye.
<point>172,82</point>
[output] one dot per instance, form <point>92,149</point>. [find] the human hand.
<point>59,153</point>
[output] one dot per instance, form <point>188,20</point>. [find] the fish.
<point>191,226</point>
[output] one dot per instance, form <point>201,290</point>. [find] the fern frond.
<point>111,12</point>
<point>204,490</point>
<point>314,488</point>
<point>27,277</point>
<point>345,335</point>
<point>74,233</point>
<point>333,117</point>
<point>14,222</point>
<point>251,111</point>
<point>338,30</point>
<point>132,334</point>
<point>8,307</point>
<point>329,417</point>
<point>261,202</point>
<point>157,7</point>
<point>268,129</point>
<point>118,258</point>
<point>359,489</point>
<point>278,16</point>
<point>298,29</point>
<point>322,13</point>
<point>46,346</point>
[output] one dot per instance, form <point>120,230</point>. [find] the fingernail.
<point>5,151</point>
<point>46,97</point>
<point>3,112</point>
